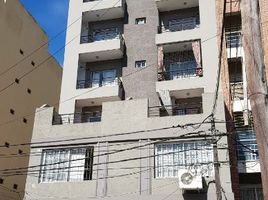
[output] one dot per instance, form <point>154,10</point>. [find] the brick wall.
<point>231,6</point>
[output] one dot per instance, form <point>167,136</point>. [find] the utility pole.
<point>216,160</point>
<point>257,86</point>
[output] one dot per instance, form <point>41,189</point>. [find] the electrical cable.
<point>219,62</point>
<point>46,43</point>
<point>110,153</point>
<point>102,136</point>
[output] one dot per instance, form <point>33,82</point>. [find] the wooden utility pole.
<point>216,160</point>
<point>257,86</point>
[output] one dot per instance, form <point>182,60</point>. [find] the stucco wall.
<point>18,30</point>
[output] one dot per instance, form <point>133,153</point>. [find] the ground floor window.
<point>62,165</point>
<point>171,157</point>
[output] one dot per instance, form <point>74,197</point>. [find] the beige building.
<point>20,35</point>
<point>139,69</point>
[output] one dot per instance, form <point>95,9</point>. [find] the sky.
<point>51,15</point>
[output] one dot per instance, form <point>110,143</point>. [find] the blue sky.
<point>52,17</point>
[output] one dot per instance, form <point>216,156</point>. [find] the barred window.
<point>62,165</point>
<point>172,157</point>
<point>246,141</point>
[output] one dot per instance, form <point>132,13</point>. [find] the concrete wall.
<point>138,184</point>
<point>18,30</point>
<point>140,45</point>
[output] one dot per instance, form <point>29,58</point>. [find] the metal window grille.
<point>234,39</point>
<point>62,165</point>
<point>172,157</point>
<point>246,138</point>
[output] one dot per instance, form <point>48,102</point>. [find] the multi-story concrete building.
<point>20,36</point>
<point>136,74</point>
<point>245,166</point>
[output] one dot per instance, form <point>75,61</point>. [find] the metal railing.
<point>82,84</point>
<point>177,74</point>
<point>74,118</point>
<point>234,39</point>
<point>246,140</point>
<point>175,110</point>
<point>237,92</point>
<point>100,37</point>
<point>179,25</point>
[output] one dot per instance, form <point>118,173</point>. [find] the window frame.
<point>88,161</point>
<point>196,142</point>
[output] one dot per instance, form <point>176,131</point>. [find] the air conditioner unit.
<point>189,181</point>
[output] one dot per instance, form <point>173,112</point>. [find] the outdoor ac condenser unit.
<point>189,181</point>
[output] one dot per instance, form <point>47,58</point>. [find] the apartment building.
<point>20,36</point>
<point>245,168</point>
<point>139,71</point>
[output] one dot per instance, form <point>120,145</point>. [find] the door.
<point>109,77</point>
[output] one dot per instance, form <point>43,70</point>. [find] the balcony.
<point>168,5</point>
<point>95,83</point>
<point>237,92</point>
<point>234,44</point>
<point>103,46</point>
<point>184,70</point>
<point>78,117</point>
<point>179,25</point>
<point>176,110</point>
<point>94,10</point>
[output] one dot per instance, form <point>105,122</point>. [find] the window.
<point>182,24</point>
<point>104,78</point>
<point>61,165</point>
<point>105,34</point>
<point>172,157</point>
<point>247,138</point>
<point>234,39</point>
<point>141,20</point>
<point>140,64</point>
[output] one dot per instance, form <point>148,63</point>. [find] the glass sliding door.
<point>109,77</point>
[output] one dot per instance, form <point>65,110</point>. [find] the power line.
<point>17,80</point>
<point>118,151</point>
<point>66,100</point>
<point>103,136</point>
<point>46,43</point>
<point>220,61</point>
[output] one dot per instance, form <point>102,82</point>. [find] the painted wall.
<point>19,31</point>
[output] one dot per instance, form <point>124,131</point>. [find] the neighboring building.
<point>20,35</point>
<point>139,68</point>
<point>245,165</point>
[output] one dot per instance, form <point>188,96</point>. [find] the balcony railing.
<point>179,25</point>
<point>74,118</point>
<point>234,39</point>
<point>177,74</point>
<point>175,110</point>
<point>237,92</point>
<point>109,34</point>
<point>82,84</point>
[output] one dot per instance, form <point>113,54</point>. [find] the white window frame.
<point>66,170</point>
<point>172,157</point>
